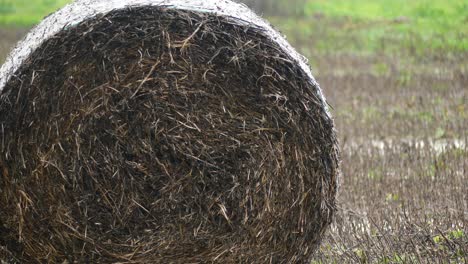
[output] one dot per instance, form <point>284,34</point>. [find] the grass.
<point>27,12</point>
<point>434,16</point>
<point>367,26</point>
<point>395,73</point>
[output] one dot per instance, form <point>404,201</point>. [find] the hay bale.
<point>181,131</point>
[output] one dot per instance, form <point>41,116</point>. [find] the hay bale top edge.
<point>80,10</point>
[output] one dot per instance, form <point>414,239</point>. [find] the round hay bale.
<point>163,132</point>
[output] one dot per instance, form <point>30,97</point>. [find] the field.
<point>26,13</point>
<point>396,76</point>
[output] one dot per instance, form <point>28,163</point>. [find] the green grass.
<point>434,17</point>
<point>419,26</point>
<point>27,12</point>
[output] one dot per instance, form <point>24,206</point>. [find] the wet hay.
<point>163,136</point>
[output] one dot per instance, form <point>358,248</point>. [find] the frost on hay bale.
<point>186,131</point>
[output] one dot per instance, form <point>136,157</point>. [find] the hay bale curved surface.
<point>164,132</point>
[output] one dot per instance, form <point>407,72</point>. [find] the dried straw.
<point>162,135</point>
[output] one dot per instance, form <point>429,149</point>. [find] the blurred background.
<point>395,73</point>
